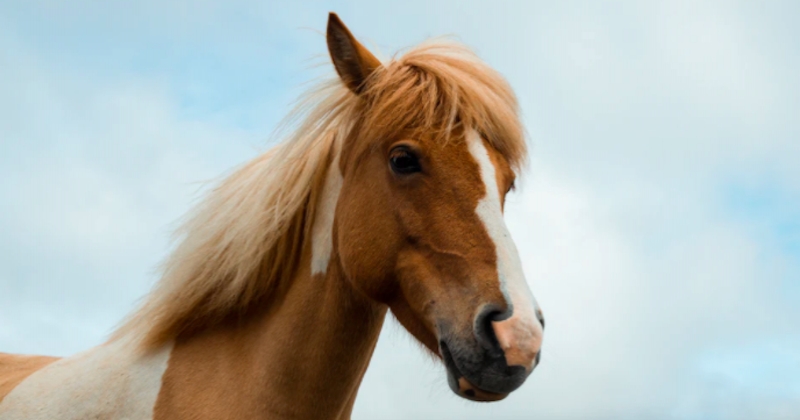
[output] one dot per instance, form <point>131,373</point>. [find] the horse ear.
<point>353,62</point>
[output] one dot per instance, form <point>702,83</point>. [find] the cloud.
<point>85,203</point>
<point>657,128</point>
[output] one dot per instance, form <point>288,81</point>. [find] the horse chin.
<point>465,389</point>
<point>461,386</point>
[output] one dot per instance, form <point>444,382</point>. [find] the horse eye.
<point>403,161</point>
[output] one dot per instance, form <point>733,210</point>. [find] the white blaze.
<point>322,232</point>
<point>509,267</point>
<point>110,381</point>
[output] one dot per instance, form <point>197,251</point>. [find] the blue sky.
<point>658,219</point>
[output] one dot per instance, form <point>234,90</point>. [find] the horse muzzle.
<point>495,359</point>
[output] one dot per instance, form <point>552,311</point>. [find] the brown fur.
<point>301,357</point>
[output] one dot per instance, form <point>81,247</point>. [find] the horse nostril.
<point>484,331</point>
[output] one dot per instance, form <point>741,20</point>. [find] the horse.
<point>387,196</point>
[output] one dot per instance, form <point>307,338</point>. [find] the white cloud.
<point>96,171</point>
<point>657,297</point>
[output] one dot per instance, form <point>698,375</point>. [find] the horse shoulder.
<point>110,381</point>
<point>15,368</point>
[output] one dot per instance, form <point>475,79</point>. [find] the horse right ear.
<point>353,62</point>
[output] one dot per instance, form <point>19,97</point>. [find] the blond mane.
<point>245,239</point>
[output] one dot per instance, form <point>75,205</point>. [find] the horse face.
<point>420,228</point>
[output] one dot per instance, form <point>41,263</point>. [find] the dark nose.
<point>513,338</point>
<point>484,332</point>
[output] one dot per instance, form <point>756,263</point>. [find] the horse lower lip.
<point>491,380</point>
<point>470,391</point>
<point>454,378</point>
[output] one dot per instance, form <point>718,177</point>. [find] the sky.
<point>658,219</point>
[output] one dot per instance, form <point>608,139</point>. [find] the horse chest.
<point>107,382</point>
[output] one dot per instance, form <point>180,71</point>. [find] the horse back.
<point>14,368</point>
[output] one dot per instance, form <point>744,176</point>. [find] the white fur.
<point>111,381</point>
<point>322,232</point>
<point>509,267</point>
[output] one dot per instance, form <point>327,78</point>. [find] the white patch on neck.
<point>322,232</point>
<point>509,267</point>
<point>110,381</point>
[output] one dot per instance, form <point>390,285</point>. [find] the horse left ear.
<point>353,61</point>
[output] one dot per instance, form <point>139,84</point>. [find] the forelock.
<point>441,87</point>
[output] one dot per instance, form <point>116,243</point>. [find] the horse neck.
<point>302,356</point>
